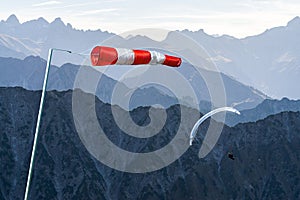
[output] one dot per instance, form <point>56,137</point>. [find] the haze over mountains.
<point>29,73</point>
<point>264,140</point>
<point>269,62</point>
<point>35,37</point>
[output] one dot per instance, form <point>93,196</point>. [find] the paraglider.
<point>102,55</point>
<point>207,115</point>
<point>230,155</point>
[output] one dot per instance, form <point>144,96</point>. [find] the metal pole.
<point>37,128</point>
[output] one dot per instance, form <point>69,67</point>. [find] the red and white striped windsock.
<point>102,55</point>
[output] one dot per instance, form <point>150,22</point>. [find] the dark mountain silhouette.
<point>266,164</point>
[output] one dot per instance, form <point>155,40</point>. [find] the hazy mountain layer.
<point>29,74</point>
<point>268,62</point>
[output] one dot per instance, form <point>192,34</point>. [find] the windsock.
<point>102,55</point>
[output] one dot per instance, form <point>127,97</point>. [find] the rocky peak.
<point>13,20</point>
<point>294,22</point>
<point>42,21</point>
<point>58,22</point>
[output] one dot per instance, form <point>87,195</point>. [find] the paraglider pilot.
<point>230,155</point>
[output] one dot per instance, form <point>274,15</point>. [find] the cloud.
<point>93,12</point>
<point>181,16</point>
<point>47,3</point>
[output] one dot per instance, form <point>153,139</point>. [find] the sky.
<point>238,18</point>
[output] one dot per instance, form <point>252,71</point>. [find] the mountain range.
<point>268,62</point>
<point>29,73</point>
<point>35,37</point>
<point>266,108</point>
<point>265,166</point>
<point>252,104</point>
<point>256,71</point>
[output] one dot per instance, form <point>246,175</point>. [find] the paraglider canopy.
<point>207,115</point>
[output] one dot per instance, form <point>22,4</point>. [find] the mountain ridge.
<point>30,73</point>
<point>258,61</point>
<point>266,155</point>
<point>55,34</point>
<point>266,108</point>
